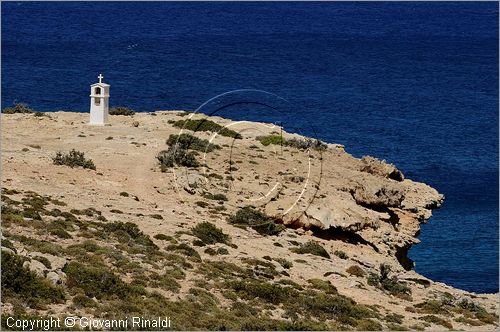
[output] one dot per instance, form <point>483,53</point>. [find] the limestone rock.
<point>378,194</point>
<point>35,266</point>
<point>380,168</point>
<point>55,277</point>
<point>342,216</point>
<point>8,250</point>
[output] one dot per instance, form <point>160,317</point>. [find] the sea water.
<point>413,83</point>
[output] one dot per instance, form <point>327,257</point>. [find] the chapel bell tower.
<point>99,102</point>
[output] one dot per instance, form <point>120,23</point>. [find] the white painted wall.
<point>99,111</point>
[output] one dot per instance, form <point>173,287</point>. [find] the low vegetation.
<point>355,270</point>
<point>313,248</point>
<point>390,284</point>
<point>215,197</point>
<point>206,125</point>
<point>121,110</point>
<point>208,233</point>
<point>18,282</point>
<point>182,151</point>
<point>271,139</point>
<point>341,254</point>
<point>257,220</point>
<point>176,156</point>
<point>190,142</point>
<point>127,232</point>
<point>116,270</point>
<point>437,320</point>
<point>310,304</point>
<point>472,313</point>
<point>301,144</point>
<point>18,108</point>
<point>73,159</point>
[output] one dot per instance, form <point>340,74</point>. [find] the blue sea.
<point>413,83</point>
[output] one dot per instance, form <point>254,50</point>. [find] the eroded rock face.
<point>377,194</point>
<point>380,168</point>
<point>344,217</point>
<point>375,205</point>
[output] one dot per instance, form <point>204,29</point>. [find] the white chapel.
<point>99,102</point>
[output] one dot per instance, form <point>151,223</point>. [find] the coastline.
<point>364,207</point>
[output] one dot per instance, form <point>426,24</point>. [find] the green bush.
<point>431,307</point>
<point>344,309</point>
<point>478,311</point>
<point>308,143</point>
<point>394,318</point>
<point>186,250</point>
<point>175,155</point>
<point>163,237</point>
<point>121,110</point>
<point>261,268</point>
<point>20,282</point>
<point>390,284</point>
<point>323,285</point>
<point>215,176</point>
<point>31,213</point>
<point>165,281</point>
<point>271,139</point>
<point>131,230</point>
<point>82,301</point>
<point>355,270</point>
<point>269,292</point>
<point>301,144</point>
<point>216,197</point>
<point>190,142</point>
<point>437,320</point>
<point>60,233</point>
<point>284,263</point>
<point>209,233</point>
<point>17,108</point>
<point>44,247</point>
<point>221,269</point>
<point>368,325</point>
<point>6,243</point>
<point>89,212</point>
<point>253,218</point>
<point>73,159</point>
<point>201,204</point>
<point>206,125</point>
<point>222,251</point>
<point>312,248</point>
<point>340,254</point>
<point>210,251</point>
<point>98,281</point>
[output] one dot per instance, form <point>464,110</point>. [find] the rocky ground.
<point>264,231</point>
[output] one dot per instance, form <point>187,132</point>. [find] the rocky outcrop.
<point>380,168</point>
<point>377,195</point>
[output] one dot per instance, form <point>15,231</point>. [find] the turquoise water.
<point>413,83</point>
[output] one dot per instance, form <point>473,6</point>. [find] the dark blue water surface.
<point>413,83</point>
